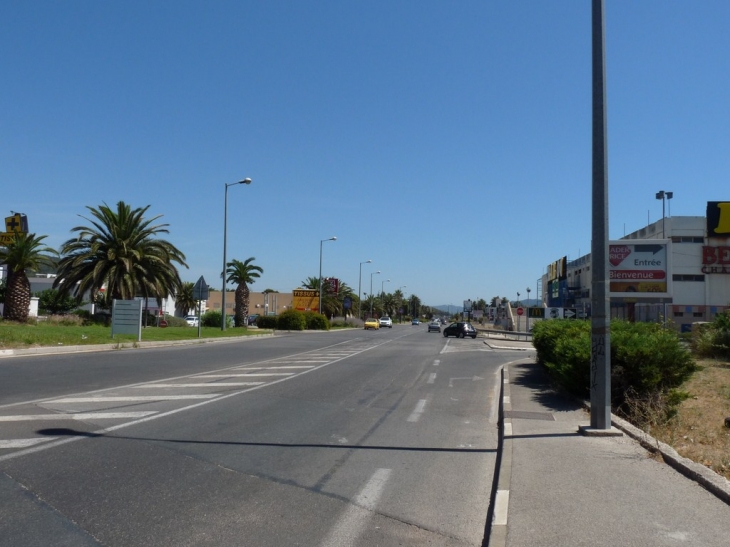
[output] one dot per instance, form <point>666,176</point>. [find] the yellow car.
<point>372,323</point>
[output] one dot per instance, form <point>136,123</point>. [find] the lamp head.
<point>245,181</point>
<point>660,194</point>
<point>669,195</point>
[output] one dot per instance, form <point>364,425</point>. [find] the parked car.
<point>252,318</point>
<point>192,320</point>
<point>460,330</point>
<point>434,325</point>
<point>415,322</point>
<point>386,321</point>
<point>372,323</point>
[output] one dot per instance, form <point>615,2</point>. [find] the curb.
<point>116,346</point>
<point>706,477</point>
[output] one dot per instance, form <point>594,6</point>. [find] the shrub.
<point>212,318</point>
<point>316,321</point>
<point>291,320</point>
<point>647,359</point>
<point>173,321</point>
<point>713,339</point>
<point>266,322</point>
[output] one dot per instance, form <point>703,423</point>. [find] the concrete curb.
<point>116,346</point>
<point>711,481</point>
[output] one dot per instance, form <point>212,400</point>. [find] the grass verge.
<point>698,431</point>
<point>20,336</point>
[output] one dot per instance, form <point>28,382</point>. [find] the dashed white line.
<point>501,505</point>
<point>436,362</point>
<point>431,378</point>
<point>416,414</point>
<point>350,524</point>
<point>244,375</point>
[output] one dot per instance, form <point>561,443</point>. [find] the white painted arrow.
<point>472,378</point>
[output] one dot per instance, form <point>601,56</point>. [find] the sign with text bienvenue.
<point>639,267</point>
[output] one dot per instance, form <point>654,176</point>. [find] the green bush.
<point>291,320</point>
<point>266,322</point>
<point>316,321</point>
<point>646,358</point>
<point>713,339</point>
<point>212,318</point>
<point>176,321</point>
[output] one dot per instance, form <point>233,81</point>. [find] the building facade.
<point>681,277</point>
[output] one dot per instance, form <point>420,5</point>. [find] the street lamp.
<point>333,238</point>
<point>518,299</point>
<point>382,292</point>
<point>225,230</point>
<point>359,290</point>
<point>371,291</point>
<point>662,195</point>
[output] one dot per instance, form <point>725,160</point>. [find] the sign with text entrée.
<point>639,268</point>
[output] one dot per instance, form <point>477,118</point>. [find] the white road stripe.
<point>416,414</point>
<point>131,398</point>
<point>431,378</point>
<point>351,523</point>
<point>501,506</point>
<point>247,374</point>
<point>507,429</point>
<point>80,416</point>
<point>436,362</point>
<point>24,443</point>
<point>209,384</point>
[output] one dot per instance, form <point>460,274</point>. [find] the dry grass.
<point>698,432</point>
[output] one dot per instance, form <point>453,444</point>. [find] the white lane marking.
<point>285,367</point>
<point>506,399</point>
<point>23,443</point>
<point>209,384</point>
<point>416,414</point>
<point>501,506</point>
<point>431,378</point>
<point>249,374</point>
<point>436,362</point>
<point>111,429</point>
<point>80,416</point>
<point>131,398</point>
<point>350,525</point>
<point>507,429</point>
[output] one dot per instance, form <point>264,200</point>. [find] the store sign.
<point>718,219</point>
<point>639,266</point>
<point>715,259</point>
<point>305,299</point>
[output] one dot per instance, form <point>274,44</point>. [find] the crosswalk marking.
<point>80,416</point>
<point>24,443</point>
<point>247,374</point>
<point>208,384</point>
<point>131,398</point>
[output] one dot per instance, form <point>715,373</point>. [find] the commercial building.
<point>676,269</point>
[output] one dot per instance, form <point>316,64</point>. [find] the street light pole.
<point>333,238</point>
<point>382,292</point>
<point>359,290</point>
<point>371,291</point>
<point>662,195</point>
<point>225,235</point>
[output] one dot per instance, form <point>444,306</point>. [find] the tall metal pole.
<point>320,270</point>
<point>359,291</point>
<point>225,235</point>
<point>600,379</point>
<point>371,291</point>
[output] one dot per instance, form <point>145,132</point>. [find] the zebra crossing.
<point>110,409</point>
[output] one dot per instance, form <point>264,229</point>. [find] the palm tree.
<point>184,301</point>
<point>24,252</point>
<point>120,251</point>
<point>242,273</point>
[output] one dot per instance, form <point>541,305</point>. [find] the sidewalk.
<point>558,488</point>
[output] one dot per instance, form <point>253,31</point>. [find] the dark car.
<point>252,318</point>
<point>460,330</point>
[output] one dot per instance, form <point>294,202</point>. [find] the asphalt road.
<point>345,438</point>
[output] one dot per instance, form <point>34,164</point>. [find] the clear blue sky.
<point>448,141</point>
